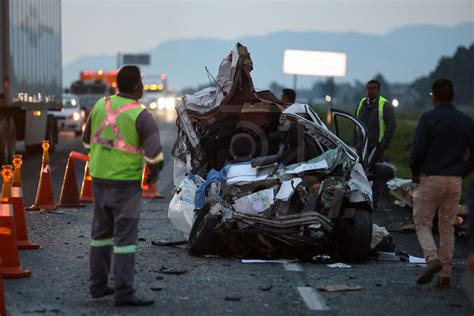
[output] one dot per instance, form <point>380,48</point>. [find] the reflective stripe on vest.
<point>6,210</point>
<point>111,120</point>
<point>125,249</point>
<point>101,242</point>
<point>382,102</point>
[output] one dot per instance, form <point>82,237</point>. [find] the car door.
<point>351,131</point>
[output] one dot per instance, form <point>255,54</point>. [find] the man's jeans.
<point>437,193</point>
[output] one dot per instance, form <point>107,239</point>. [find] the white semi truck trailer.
<point>30,73</point>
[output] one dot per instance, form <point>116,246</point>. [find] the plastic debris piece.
<point>416,260</point>
<point>339,265</point>
<point>266,261</point>
<point>339,288</point>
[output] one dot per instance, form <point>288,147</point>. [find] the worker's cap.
<point>128,78</point>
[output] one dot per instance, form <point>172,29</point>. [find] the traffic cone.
<point>149,191</point>
<point>19,208</point>
<point>3,308</point>
<point>44,196</point>
<point>69,191</point>
<point>9,258</point>
<point>86,189</point>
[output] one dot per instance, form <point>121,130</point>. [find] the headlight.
<point>75,116</point>
<point>153,105</point>
<point>170,102</point>
<point>161,103</point>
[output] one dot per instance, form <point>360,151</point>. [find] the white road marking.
<point>313,300</point>
<point>292,267</point>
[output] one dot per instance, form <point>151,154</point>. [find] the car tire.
<point>358,248</point>
<point>203,239</point>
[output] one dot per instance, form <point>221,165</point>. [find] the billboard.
<point>314,63</point>
<point>135,59</point>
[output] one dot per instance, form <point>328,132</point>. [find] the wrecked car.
<point>258,178</point>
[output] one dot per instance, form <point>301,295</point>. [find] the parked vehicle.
<point>256,179</point>
<point>30,73</point>
<point>71,116</point>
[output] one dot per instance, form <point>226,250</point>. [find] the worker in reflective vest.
<point>120,134</point>
<point>377,114</point>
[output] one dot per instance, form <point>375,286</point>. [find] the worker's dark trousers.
<point>378,186</point>
<point>116,216</point>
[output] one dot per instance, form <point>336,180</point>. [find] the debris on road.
<point>416,260</point>
<point>403,190</point>
<point>282,261</point>
<point>156,288</point>
<point>339,265</point>
<point>162,243</point>
<point>378,234</point>
<point>232,299</point>
<point>265,288</point>
<point>400,227</point>
<point>387,256</point>
<point>165,270</point>
<point>339,288</point>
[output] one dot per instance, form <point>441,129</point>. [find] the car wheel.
<point>203,239</point>
<point>360,230</point>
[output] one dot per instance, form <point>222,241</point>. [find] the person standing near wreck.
<point>378,116</point>
<point>437,164</point>
<point>288,96</point>
<point>120,133</point>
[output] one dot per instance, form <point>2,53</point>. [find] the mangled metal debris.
<point>404,191</point>
<point>257,179</point>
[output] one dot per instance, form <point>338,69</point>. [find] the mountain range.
<point>401,55</point>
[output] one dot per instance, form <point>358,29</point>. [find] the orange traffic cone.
<point>69,192</point>
<point>19,208</point>
<point>44,196</point>
<point>9,258</point>
<point>149,191</point>
<point>3,308</point>
<point>86,189</point>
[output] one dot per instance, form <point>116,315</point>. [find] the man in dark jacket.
<point>377,114</point>
<point>437,163</point>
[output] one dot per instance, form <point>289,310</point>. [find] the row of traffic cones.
<point>13,233</point>
<point>13,230</point>
<point>70,197</point>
